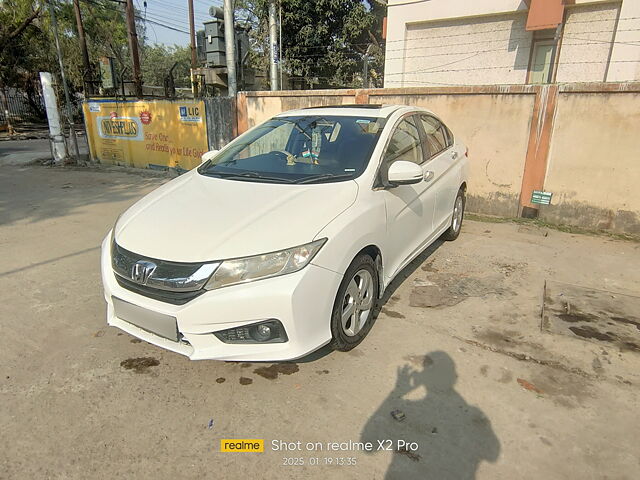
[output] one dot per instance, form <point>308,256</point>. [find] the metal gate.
<point>20,108</point>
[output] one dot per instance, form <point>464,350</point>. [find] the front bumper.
<point>302,301</point>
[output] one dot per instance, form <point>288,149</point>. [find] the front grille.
<point>122,261</point>
<point>175,298</point>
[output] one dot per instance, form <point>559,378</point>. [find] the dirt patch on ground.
<point>391,313</point>
<point>271,372</point>
<point>563,388</point>
<point>448,289</point>
<point>140,364</point>
<point>592,314</point>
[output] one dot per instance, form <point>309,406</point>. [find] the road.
<point>24,152</point>
<point>456,363</point>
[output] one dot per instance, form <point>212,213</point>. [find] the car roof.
<point>359,110</point>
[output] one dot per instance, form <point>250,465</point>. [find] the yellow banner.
<point>242,445</point>
<point>147,134</point>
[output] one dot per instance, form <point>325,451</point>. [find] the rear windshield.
<point>300,149</point>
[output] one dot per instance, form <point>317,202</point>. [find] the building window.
<point>542,63</point>
<point>544,54</point>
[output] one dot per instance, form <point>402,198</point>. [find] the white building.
<point>484,42</point>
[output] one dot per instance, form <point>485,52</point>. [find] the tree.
<point>16,16</point>
<point>27,45</point>
<point>157,61</point>
<point>324,41</point>
<point>19,30</point>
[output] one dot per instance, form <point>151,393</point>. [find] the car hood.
<point>195,218</point>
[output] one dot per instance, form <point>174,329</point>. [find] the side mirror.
<point>208,155</point>
<point>404,173</point>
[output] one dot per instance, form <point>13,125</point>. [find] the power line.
<point>477,42</point>
<point>595,40</point>
<point>138,17</point>
<point>497,40</point>
<point>208,3</point>
<point>166,21</point>
<point>409,57</point>
<point>509,44</point>
<point>515,66</point>
<point>466,34</point>
<point>165,26</point>
<point>509,39</point>
<point>180,8</point>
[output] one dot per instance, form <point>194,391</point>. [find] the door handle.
<point>454,155</point>
<point>428,176</point>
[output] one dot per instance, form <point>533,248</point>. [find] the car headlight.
<point>248,269</point>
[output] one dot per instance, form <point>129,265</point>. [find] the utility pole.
<point>133,47</point>
<point>194,55</point>
<point>230,47</point>
<point>273,46</point>
<point>280,42</point>
<point>72,129</point>
<point>365,72</point>
<point>88,85</point>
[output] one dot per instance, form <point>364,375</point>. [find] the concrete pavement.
<point>463,370</point>
<point>25,152</point>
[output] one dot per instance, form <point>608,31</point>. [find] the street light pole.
<point>72,130</point>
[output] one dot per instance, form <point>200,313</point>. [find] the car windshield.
<point>300,149</point>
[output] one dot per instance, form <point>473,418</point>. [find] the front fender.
<point>362,225</point>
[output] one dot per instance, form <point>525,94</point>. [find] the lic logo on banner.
<point>190,114</point>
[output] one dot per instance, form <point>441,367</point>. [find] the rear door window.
<point>438,138</point>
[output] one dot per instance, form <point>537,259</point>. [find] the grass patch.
<point>552,226</point>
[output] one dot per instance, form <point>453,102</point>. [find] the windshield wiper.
<point>247,175</point>
<point>324,177</point>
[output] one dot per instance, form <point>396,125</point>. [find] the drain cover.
<point>591,314</point>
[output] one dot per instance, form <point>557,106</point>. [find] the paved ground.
<point>25,152</point>
<point>474,381</point>
<point>25,130</point>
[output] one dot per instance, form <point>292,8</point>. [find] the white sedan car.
<point>284,241</point>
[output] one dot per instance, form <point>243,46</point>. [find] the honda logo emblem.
<point>142,270</point>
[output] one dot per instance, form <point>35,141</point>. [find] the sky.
<point>175,14</point>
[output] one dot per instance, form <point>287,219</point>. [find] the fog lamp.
<point>268,331</point>
<point>263,332</point>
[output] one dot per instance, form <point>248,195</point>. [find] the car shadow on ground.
<point>404,274</point>
<point>436,434</point>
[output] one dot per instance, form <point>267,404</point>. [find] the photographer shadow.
<point>452,436</point>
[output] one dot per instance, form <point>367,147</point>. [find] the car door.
<point>442,168</point>
<point>409,208</point>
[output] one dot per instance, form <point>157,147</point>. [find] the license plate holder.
<point>164,326</point>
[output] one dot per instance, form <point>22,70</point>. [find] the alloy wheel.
<point>457,214</point>
<point>357,302</point>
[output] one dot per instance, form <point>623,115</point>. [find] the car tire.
<point>456,219</point>
<point>353,312</point>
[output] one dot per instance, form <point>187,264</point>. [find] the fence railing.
<point>20,107</point>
